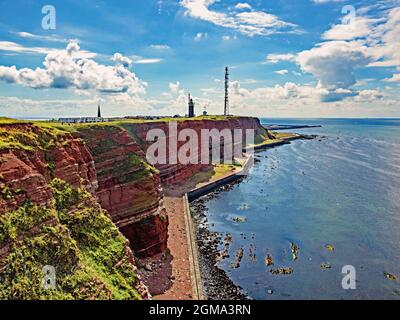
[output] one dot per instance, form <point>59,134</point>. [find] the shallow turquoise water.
<point>342,190</point>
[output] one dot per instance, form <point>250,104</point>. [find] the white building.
<point>82,120</point>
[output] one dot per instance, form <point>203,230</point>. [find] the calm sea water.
<point>342,190</point>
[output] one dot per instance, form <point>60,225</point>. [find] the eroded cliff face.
<point>175,173</point>
<point>128,188</point>
<point>49,215</point>
<point>36,155</point>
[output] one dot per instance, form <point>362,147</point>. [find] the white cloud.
<point>394,78</point>
<point>67,69</point>
<point>17,48</point>
<point>174,87</point>
<point>112,105</point>
<point>369,95</point>
<point>333,63</point>
<point>275,58</point>
<point>326,1</point>
<point>52,38</point>
<point>359,28</point>
<point>141,60</point>
<point>160,47</point>
<point>243,6</point>
<point>228,38</point>
<point>293,99</point>
<point>385,41</point>
<point>261,19</point>
<point>369,42</point>
<point>200,36</point>
<point>282,72</point>
<point>119,59</point>
<point>249,23</point>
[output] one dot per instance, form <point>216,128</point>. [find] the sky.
<point>287,58</point>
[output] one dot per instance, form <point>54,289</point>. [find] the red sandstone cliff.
<point>176,172</point>
<point>108,161</point>
<point>128,188</point>
<point>27,172</point>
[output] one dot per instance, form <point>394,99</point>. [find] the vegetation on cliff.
<point>91,257</point>
<point>104,140</point>
<point>24,135</point>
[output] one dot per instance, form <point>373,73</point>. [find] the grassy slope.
<point>82,243</point>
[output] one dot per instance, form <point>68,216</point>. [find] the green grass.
<point>83,245</point>
<point>23,135</point>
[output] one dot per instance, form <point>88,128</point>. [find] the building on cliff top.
<point>99,118</point>
<point>191,107</point>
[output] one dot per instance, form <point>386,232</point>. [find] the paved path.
<point>177,243</point>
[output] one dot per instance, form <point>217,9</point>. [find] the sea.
<point>336,198</point>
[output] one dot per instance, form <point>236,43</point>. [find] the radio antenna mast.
<point>226,108</point>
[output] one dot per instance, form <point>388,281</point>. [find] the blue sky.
<point>287,58</point>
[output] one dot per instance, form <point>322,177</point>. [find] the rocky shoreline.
<point>216,282</point>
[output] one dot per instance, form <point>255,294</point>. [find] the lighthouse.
<point>191,107</point>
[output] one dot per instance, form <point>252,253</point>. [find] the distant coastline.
<point>278,127</point>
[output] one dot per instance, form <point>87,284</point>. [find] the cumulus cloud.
<point>359,28</point>
<point>119,59</point>
<point>287,91</point>
<point>275,58</point>
<point>305,100</point>
<point>67,69</point>
<point>282,72</point>
<point>369,95</point>
<point>333,63</point>
<point>243,6</point>
<point>366,43</point>
<point>250,23</point>
<point>174,87</point>
<point>385,41</point>
<point>394,78</point>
